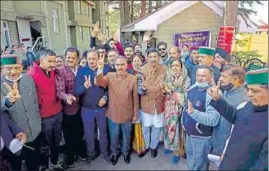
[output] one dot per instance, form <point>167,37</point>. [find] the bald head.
<point>175,52</point>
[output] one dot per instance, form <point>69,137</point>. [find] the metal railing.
<point>39,44</point>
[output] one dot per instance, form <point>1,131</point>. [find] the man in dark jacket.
<point>248,145</point>
<point>206,58</point>
<point>65,90</point>
<point>192,61</point>
<point>10,130</point>
<point>94,106</point>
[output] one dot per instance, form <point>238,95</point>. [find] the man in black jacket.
<point>248,145</point>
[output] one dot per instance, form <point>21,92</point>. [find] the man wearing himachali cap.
<point>248,145</point>
<point>206,58</point>
<point>19,101</point>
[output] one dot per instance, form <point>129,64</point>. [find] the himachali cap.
<point>10,59</point>
<point>203,50</point>
<point>259,76</point>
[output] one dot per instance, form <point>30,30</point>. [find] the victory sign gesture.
<point>13,93</point>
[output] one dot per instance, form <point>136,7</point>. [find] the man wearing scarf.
<point>198,138</point>
<point>22,106</point>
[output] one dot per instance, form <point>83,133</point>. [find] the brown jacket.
<point>151,97</point>
<point>123,102</point>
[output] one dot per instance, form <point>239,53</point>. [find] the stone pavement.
<point>161,162</point>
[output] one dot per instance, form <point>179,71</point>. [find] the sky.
<point>262,12</point>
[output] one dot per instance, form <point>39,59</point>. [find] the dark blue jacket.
<point>91,96</point>
<point>30,57</point>
<point>8,129</point>
<point>189,66</point>
<point>248,146</point>
<point>192,127</point>
<point>215,70</point>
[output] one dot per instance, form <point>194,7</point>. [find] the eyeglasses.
<point>163,49</point>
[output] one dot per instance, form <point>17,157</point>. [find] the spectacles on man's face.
<point>163,49</point>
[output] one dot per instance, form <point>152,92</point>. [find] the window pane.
<point>55,20</point>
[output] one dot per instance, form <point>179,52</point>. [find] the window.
<point>81,33</point>
<point>79,7</point>
<point>55,20</point>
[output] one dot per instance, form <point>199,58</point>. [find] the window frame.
<point>55,21</point>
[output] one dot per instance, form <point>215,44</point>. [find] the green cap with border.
<point>203,50</point>
<point>9,59</point>
<point>259,76</point>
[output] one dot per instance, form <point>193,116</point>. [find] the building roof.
<point>151,21</point>
<point>262,25</point>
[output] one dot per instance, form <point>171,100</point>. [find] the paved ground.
<point>162,162</point>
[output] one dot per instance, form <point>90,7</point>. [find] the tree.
<point>142,8</point>
<point>235,8</point>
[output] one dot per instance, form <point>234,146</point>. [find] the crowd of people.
<point>195,101</point>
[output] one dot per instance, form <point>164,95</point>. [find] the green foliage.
<point>242,7</point>
<point>244,56</point>
<point>114,21</point>
<point>241,42</point>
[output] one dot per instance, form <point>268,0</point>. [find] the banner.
<point>193,39</point>
<point>226,37</point>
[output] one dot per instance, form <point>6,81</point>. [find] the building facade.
<point>50,24</point>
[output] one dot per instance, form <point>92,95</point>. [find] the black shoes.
<point>69,162</point>
<point>114,160</point>
<point>154,153</point>
<point>90,160</point>
<point>127,158</point>
<point>143,154</point>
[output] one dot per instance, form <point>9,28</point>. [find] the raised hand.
<point>101,62</point>
<point>96,30</point>
<point>13,93</point>
<point>70,98</point>
<point>190,109</point>
<point>87,83</point>
<point>214,91</point>
<point>102,38</point>
<point>147,36</point>
<point>115,37</point>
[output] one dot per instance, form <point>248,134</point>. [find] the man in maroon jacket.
<point>50,108</point>
<point>72,124</point>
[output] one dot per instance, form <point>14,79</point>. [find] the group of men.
<point>219,106</point>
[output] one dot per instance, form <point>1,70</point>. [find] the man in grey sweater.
<point>19,100</point>
<point>232,82</point>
